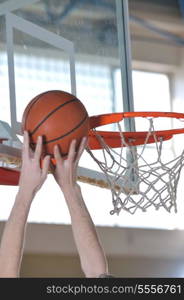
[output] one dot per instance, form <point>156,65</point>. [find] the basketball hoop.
<point>137,181</point>
<point>143,181</point>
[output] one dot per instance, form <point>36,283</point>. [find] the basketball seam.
<point>31,104</point>
<point>36,99</point>
<point>62,136</point>
<point>52,112</point>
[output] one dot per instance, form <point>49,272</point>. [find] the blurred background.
<point>147,244</point>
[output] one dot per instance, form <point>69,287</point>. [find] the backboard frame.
<point>14,22</point>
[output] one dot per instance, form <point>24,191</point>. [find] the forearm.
<point>12,241</point>
<point>91,254</point>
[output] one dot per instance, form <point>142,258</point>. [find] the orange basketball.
<point>57,116</point>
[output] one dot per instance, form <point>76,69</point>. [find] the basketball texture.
<point>59,117</point>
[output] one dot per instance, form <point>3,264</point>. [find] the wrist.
<point>72,194</point>
<point>71,190</point>
<point>25,195</point>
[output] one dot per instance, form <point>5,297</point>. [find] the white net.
<point>140,178</point>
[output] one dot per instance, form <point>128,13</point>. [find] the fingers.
<point>46,164</point>
<point>52,166</point>
<point>38,150</point>
<point>57,155</point>
<point>81,148</point>
<point>72,150</point>
<point>25,149</point>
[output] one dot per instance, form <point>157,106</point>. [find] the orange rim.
<point>113,138</point>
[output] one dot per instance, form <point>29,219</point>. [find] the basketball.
<point>59,117</point>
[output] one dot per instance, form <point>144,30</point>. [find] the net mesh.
<point>139,179</point>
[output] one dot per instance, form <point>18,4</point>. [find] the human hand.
<point>32,175</point>
<point>65,171</point>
